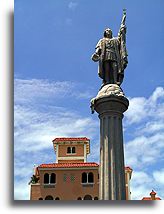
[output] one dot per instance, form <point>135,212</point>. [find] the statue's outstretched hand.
<point>95,57</point>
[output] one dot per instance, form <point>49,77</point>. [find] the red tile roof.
<point>71,139</point>
<point>128,168</point>
<point>150,199</point>
<point>72,165</point>
<point>153,193</point>
<point>68,165</point>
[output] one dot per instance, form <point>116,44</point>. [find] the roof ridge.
<point>70,138</point>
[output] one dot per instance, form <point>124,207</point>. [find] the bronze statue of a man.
<point>112,55</point>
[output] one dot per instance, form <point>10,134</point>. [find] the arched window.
<point>84,177</point>
<point>96,198</point>
<point>53,178</point>
<point>68,149</point>
<point>87,197</point>
<point>73,150</point>
<point>90,177</point>
<point>57,198</point>
<point>49,197</point>
<point>40,198</point>
<point>79,198</point>
<point>46,178</point>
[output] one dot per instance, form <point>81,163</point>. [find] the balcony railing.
<point>49,185</point>
<point>87,184</point>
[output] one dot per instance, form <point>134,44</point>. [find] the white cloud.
<point>72,5</point>
<point>30,90</point>
<point>138,192</point>
<point>158,93</point>
<point>141,185</point>
<point>22,190</point>
<point>38,119</point>
<point>159,176</point>
<point>141,177</point>
<point>148,136</point>
<point>136,111</point>
<point>35,130</point>
<point>152,126</point>
<point>144,152</point>
<point>141,108</point>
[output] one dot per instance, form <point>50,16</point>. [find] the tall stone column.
<point>110,103</point>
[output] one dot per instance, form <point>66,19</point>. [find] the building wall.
<point>127,184</point>
<point>68,185</point>
<point>71,161</point>
<point>62,150</point>
<point>35,192</point>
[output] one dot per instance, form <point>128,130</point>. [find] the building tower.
<point>71,150</point>
<point>71,177</point>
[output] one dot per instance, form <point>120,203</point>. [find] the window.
<point>53,178</point>
<point>49,179</point>
<point>96,198</point>
<point>46,178</point>
<point>87,177</point>
<point>71,150</point>
<point>87,197</point>
<point>90,177</point>
<point>49,197</point>
<point>40,198</point>
<point>84,177</point>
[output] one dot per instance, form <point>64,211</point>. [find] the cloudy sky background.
<point>55,80</point>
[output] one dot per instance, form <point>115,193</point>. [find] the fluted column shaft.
<point>112,170</point>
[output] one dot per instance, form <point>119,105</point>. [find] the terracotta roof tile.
<point>68,165</point>
<point>153,193</point>
<point>71,139</point>
<point>150,199</point>
<point>128,168</point>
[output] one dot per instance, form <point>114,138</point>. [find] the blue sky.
<point>55,80</point>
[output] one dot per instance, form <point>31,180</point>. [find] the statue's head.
<point>108,33</point>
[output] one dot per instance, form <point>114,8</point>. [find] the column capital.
<point>111,105</point>
<point>110,99</point>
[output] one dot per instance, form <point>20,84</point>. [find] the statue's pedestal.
<point>110,103</point>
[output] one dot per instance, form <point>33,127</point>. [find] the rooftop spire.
<point>152,194</point>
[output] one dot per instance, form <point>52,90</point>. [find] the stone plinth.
<point>110,104</point>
